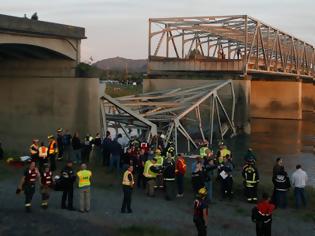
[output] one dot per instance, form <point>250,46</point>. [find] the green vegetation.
<point>137,230</point>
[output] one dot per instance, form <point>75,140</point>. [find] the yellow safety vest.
<point>223,153</point>
<point>203,151</point>
<point>159,159</point>
<point>84,178</point>
<point>126,181</point>
<point>147,172</point>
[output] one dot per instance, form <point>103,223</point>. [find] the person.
<point>170,148</point>
<point>60,144</point>
<point>46,184</point>
<point>68,179</point>
<point>180,173</point>
<point>169,177</point>
<point>106,148</point>
<point>223,152</point>
<point>97,148</point>
<point>299,180</point>
<point>197,175</point>
<point>262,216</point>
<point>277,166</point>
<point>87,148</point>
<point>238,53</point>
<point>116,151</point>
<point>208,167</point>
<point>52,152</point>
<point>76,146</point>
<point>201,212</point>
<point>159,162</point>
<point>282,184</point>
<point>43,154</point>
<point>204,149</point>
<point>1,152</point>
<point>84,177</point>
<point>67,145</point>
<point>226,179</point>
<point>150,172</point>
<point>127,185</point>
<point>27,183</point>
<point>251,180</point>
<point>140,160</point>
<point>34,150</point>
<point>250,156</point>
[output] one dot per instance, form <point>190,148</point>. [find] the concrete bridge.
<point>273,72</point>
<point>39,90</point>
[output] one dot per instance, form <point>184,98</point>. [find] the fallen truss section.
<point>192,113</point>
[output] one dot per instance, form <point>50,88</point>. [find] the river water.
<point>293,140</point>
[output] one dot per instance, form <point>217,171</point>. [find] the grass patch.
<point>136,230</point>
<point>119,90</point>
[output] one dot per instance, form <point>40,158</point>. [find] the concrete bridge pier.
<point>308,95</point>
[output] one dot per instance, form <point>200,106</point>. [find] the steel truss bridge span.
<point>180,114</point>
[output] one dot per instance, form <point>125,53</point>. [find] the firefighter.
<point>150,172</point>
<point>42,153</point>
<point>27,184</point>
<point>52,152</point>
<point>262,216</point>
<point>170,148</point>
<point>169,177</point>
<point>34,150</point>
<point>68,178</point>
<point>46,184</point>
<point>127,183</point>
<point>201,212</point>
<point>251,180</point>
<point>60,144</point>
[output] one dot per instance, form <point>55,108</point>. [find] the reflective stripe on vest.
<point>84,178</point>
<point>43,152</point>
<point>126,181</point>
<point>147,172</point>
<point>52,149</point>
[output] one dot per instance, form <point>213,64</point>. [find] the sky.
<point>120,27</point>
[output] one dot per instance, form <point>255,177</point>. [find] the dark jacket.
<point>169,170</point>
<point>115,148</point>
<point>208,170</point>
<point>68,176</point>
<point>76,143</point>
<point>281,181</point>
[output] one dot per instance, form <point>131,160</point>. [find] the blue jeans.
<point>115,161</point>
<point>77,155</point>
<point>208,185</point>
<point>299,197</point>
<point>281,199</point>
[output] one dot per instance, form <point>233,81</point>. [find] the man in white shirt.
<point>299,179</point>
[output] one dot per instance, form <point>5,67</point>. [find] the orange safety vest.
<point>52,149</point>
<point>43,152</point>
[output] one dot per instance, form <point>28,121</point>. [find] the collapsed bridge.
<point>190,114</point>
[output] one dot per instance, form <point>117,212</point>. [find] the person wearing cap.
<point>68,178</point>
<point>34,150</point>
<point>251,180</point>
<point>46,184</point>
<point>52,152</point>
<point>127,184</point>
<point>84,177</point>
<point>150,172</point>
<point>200,217</point>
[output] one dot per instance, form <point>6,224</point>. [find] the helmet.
<point>50,136</point>
<point>202,191</point>
<point>59,130</point>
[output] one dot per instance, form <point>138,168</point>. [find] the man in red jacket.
<point>180,173</point>
<point>262,216</point>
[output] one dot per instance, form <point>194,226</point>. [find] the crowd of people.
<point>153,166</point>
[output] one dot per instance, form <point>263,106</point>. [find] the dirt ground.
<point>151,216</point>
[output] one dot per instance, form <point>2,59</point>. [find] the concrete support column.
<point>308,96</point>
<point>276,99</point>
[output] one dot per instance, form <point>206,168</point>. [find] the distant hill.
<point>119,63</point>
